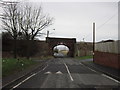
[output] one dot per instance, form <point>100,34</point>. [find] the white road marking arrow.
<point>48,72</point>
<point>59,72</point>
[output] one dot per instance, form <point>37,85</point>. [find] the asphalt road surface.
<point>67,73</point>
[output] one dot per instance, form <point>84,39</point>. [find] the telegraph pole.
<point>93,40</point>
<point>47,33</point>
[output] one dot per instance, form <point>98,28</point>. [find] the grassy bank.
<point>84,57</point>
<point>10,66</point>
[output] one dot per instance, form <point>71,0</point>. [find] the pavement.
<point>64,73</point>
<point>112,72</point>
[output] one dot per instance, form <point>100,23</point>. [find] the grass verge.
<point>10,66</point>
<point>84,57</point>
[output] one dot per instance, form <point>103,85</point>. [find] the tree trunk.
<point>15,48</point>
<point>28,49</point>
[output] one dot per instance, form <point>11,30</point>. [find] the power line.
<point>103,24</point>
<point>106,22</point>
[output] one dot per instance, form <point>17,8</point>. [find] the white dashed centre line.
<point>69,72</point>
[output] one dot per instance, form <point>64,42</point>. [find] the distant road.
<point>67,73</point>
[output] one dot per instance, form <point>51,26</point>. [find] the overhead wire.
<point>98,28</point>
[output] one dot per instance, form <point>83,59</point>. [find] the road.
<point>67,73</point>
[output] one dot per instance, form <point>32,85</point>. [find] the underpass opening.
<point>69,42</point>
<point>60,51</point>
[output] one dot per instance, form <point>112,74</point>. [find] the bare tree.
<point>10,21</point>
<point>24,20</point>
<point>32,21</point>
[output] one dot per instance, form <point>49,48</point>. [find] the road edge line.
<point>110,78</point>
<point>29,77</point>
<point>102,73</point>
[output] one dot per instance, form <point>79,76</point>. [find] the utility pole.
<point>47,33</point>
<point>93,40</point>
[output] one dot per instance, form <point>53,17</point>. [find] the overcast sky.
<point>74,19</point>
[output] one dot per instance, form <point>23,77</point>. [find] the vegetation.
<point>84,57</point>
<point>10,66</point>
<point>23,22</point>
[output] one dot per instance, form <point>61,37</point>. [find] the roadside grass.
<point>10,66</point>
<point>84,57</point>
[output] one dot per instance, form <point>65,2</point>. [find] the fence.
<point>110,47</point>
<point>107,54</point>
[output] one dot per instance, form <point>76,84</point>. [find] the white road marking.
<point>92,70</point>
<point>68,72</point>
<point>48,72</point>
<point>24,80</point>
<point>102,74</point>
<point>59,72</point>
<point>110,78</point>
<point>43,69</point>
<point>89,68</point>
<point>80,63</point>
<point>28,78</point>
